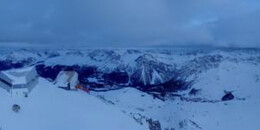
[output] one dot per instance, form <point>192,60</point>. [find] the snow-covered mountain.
<point>143,68</point>
<point>177,88</point>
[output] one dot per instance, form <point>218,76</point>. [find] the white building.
<point>67,80</point>
<point>19,82</point>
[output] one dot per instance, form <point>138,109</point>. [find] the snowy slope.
<point>237,72</point>
<point>210,71</point>
<point>187,115</point>
<point>50,108</point>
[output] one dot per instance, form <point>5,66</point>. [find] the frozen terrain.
<point>51,108</point>
<point>168,89</point>
<point>204,110</point>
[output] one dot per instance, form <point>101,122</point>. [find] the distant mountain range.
<point>154,70</point>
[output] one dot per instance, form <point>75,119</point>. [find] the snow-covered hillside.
<point>168,89</point>
<point>51,108</point>
<point>201,111</point>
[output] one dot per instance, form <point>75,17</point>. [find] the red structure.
<point>82,88</point>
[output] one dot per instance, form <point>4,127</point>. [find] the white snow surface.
<point>242,79</point>
<point>236,114</point>
<point>51,108</point>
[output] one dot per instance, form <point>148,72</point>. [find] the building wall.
<point>19,92</point>
<point>16,91</point>
<point>5,78</point>
<point>61,80</point>
<point>31,75</point>
<point>19,89</point>
<point>5,86</point>
<point>32,83</point>
<point>74,81</point>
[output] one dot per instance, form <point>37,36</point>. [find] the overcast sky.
<point>131,22</point>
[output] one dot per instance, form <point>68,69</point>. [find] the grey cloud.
<point>130,22</point>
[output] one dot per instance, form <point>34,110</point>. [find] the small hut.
<point>67,80</point>
<point>19,82</point>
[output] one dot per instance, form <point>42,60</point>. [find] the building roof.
<point>64,77</point>
<point>69,74</point>
<point>18,76</point>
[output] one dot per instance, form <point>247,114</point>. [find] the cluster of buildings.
<point>20,82</point>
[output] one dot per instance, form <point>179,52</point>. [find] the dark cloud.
<point>131,22</point>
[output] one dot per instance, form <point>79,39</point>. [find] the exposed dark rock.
<point>52,71</point>
<point>185,124</point>
<point>169,129</point>
<point>116,78</point>
<point>149,74</point>
<point>147,66</point>
<point>228,96</point>
<point>138,118</point>
<point>16,108</point>
<point>173,85</point>
<point>133,51</point>
<point>49,72</point>
<point>154,125</point>
<point>8,64</point>
<point>194,91</point>
<point>85,72</point>
<point>102,55</point>
<point>201,64</point>
<point>51,54</point>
